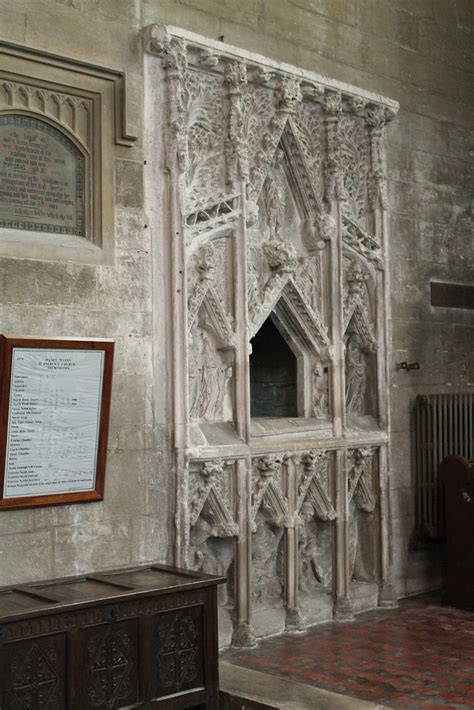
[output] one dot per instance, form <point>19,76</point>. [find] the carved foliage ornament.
<point>34,674</point>
<point>178,643</point>
<point>211,486</point>
<point>312,485</point>
<point>359,483</point>
<point>267,493</point>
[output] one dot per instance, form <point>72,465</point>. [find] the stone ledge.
<point>270,692</point>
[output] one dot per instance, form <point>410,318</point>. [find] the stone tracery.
<point>278,179</point>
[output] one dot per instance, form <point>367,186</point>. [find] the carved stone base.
<point>387,597</point>
<point>294,621</point>
<point>343,609</point>
<point>243,636</point>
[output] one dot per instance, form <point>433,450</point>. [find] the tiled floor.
<point>418,657</point>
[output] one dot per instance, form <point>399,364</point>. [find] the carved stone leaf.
<point>354,163</point>
<point>223,282</point>
<point>308,277</point>
<point>258,107</point>
<point>206,174</point>
<point>309,130</point>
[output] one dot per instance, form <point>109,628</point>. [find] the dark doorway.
<point>272,375</point>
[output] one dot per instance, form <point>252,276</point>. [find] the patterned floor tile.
<point>417,657</point>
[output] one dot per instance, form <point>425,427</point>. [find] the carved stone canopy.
<point>277,210</point>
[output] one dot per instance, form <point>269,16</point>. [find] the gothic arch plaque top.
<point>60,120</point>
<point>42,178</point>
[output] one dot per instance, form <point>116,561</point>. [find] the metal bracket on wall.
<point>408,365</point>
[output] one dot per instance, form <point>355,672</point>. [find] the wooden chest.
<point>132,638</point>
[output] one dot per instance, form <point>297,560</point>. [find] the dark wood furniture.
<point>457,474</point>
<point>133,638</point>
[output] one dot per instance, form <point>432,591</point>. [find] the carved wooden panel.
<point>178,640</point>
<point>110,666</point>
<point>34,674</point>
<point>120,639</point>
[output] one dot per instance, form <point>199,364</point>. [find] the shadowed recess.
<point>272,375</point>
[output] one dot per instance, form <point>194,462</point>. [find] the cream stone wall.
<point>419,52</point>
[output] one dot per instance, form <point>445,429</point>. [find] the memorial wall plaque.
<point>42,178</point>
<point>54,420</point>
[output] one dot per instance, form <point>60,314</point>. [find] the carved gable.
<point>275,240</point>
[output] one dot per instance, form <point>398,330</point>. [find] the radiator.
<point>444,424</point>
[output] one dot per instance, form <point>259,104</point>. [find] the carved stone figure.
<point>356,375</point>
<point>307,279</point>
<point>265,582</point>
<point>209,376</point>
<point>309,574</point>
<point>275,196</point>
<point>320,392</point>
<point>254,288</point>
<point>205,262</point>
<point>361,506</point>
<point>200,555</point>
<point>209,552</point>
<point>356,283</point>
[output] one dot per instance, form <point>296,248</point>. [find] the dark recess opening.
<point>272,375</point>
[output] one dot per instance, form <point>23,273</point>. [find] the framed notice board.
<point>54,418</point>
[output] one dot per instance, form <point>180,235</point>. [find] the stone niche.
<point>273,375</point>
<point>267,188</point>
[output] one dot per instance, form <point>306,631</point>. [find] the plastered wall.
<point>419,52</point>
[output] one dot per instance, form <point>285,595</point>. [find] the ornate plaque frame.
<point>70,379</point>
<point>87,104</point>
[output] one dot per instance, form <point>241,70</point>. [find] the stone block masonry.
<point>418,52</point>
